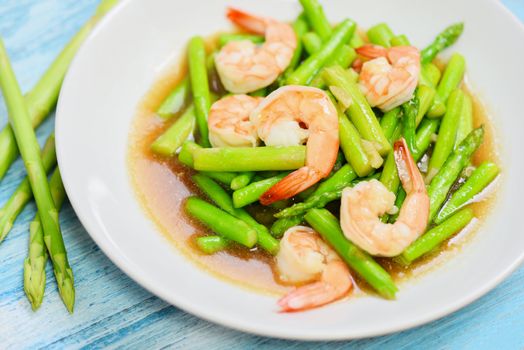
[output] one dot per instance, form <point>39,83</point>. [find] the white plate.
<point>125,54</point>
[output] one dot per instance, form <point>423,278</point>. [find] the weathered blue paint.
<point>113,311</point>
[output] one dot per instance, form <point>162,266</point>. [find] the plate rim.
<point>121,261</point>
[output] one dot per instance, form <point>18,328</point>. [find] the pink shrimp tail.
<point>312,295</point>
<point>247,21</point>
<point>294,183</point>
<point>370,51</point>
<point>409,173</point>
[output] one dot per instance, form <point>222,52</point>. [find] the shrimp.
<point>289,116</point>
<point>304,257</point>
<point>389,79</point>
<point>245,67</point>
<point>229,124</point>
<point>362,206</point>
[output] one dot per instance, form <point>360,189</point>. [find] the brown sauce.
<point>163,184</point>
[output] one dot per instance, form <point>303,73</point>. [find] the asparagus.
<point>252,192</point>
<point>438,234</point>
<point>249,159</point>
<point>465,123</point>
<point>410,111</point>
<point>343,57</point>
<point>23,194</point>
<point>226,38</point>
<point>380,34</point>
<point>479,179</point>
<point>42,98</point>
<point>212,244</point>
<point>425,132</point>
<point>450,80</point>
<point>28,146</point>
<point>445,39</point>
<point>280,226</point>
<point>389,123</point>
<point>356,40</point>
<point>426,95</point>
<point>175,101</point>
<point>221,222</point>
<point>340,179</point>
<point>242,180</point>
<point>171,140</point>
<point>329,228</point>
<point>431,73</point>
<point>399,40</point>
<point>199,86</point>
<point>359,111</point>
<point>221,198</point>
<point>34,264</point>
<point>312,42</point>
<point>447,133</point>
<point>351,145</point>
<point>300,26</point>
<point>186,157</point>
<point>317,18</point>
<point>307,69</point>
<point>450,171</point>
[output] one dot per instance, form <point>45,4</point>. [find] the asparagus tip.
<point>66,288</point>
<point>34,281</point>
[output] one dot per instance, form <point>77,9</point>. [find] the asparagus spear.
<point>359,111</point>
<point>351,145</point>
<point>249,159</point>
<point>380,34</point>
<point>23,194</point>
<point>175,101</point>
<point>399,40</point>
<point>425,132</point>
<point>340,179</point>
<point>312,42</point>
<point>252,192</point>
<point>309,67</point>
<point>479,179</point>
<point>438,234</point>
<point>221,222</point>
<point>317,18</point>
<point>212,244</point>
<point>450,171</point>
<point>199,86</point>
<point>34,264</point>
<point>41,99</point>
<point>445,39</point>
<point>28,146</point>
<point>450,80</point>
<point>465,123</point>
<point>221,198</point>
<point>329,228</point>
<point>168,143</point>
<point>447,133</point>
<point>242,180</point>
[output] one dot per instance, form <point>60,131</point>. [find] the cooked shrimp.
<point>362,206</point>
<point>389,79</point>
<point>244,66</point>
<point>229,124</point>
<point>304,257</point>
<point>289,116</point>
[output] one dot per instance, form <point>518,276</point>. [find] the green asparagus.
<point>171,140</point>
<point>34,264</point>
<point>445,39</point>
<point>175,101</point>
<point>252,192</point>
<point>28,146</point>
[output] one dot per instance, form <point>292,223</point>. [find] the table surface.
<point>113,311</point>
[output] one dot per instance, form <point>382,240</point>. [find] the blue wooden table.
<point>112,310</point>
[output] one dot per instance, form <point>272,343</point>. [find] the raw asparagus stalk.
<point>34,264</point>
<point>28,146</point>
<point>23,194</point>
